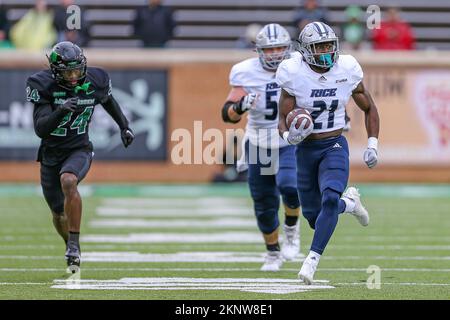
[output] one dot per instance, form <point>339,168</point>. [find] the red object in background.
<point>393,36</point>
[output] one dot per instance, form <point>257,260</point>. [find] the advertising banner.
<point>141,94</point>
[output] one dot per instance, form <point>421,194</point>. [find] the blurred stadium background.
<point>162,90</point>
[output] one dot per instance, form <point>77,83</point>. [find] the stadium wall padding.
<point>411,90</point>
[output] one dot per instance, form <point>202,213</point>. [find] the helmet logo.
<point>53,56</point>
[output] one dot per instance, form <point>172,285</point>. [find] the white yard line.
<point>176,202</point>
<point>261,285</point>
<point>393,284</point>
<point>170,212</point>
<point>90,269</point>
<point>224,237</point>
<point>205,257</point>
<point>329,247</point>
<point>24,283</point>
<point>142,223</point>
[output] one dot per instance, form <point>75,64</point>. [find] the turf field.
<point>201,242</point>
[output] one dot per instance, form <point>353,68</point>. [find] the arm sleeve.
<point>112,107</point>
<point>46,120</point>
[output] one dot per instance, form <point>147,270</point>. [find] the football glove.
<point>246,103</point>
<point>127,137</point>
<point>69,106</point>
<point>371,157</point>
<point>294,135</point>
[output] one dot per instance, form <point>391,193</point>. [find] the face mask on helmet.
<point>273,45</point>
<point>324,53</point>
<point>71,76</point>
<point>271,57</point>
<point>319,45</point>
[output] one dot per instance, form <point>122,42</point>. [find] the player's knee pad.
<point>266,211</point>
<point>290,197</point>
<point>311,217</point>
<point>267,222</point>
<point>330,202</point>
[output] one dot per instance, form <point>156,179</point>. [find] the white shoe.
<point>291,242</point>
<point>273,261</point>
<point>308,269</point>
<point>359,212</point>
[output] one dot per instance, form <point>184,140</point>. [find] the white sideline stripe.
<point>224,269</point>
<point>170,212</point>
<point>141,223</point>
<point>262,285</point>
<point>176,202</point>
<point>225,237</point>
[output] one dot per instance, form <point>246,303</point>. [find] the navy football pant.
<point>322,171</point>
<point>265,189</point>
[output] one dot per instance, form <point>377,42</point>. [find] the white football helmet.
<point>272,36</point>
<point>313,34</point>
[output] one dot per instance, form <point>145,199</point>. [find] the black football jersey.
<point>73,130</point>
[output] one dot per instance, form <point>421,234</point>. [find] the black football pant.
<point>77,163</point>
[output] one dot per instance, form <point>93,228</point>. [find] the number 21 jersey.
<point>324,95</point>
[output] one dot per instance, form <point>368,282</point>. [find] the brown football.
<point>304,115</point>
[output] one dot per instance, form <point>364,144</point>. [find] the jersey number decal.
<point>272,105</point>
<point>80,123</point>
<point>32,95</point>
<point>321,106</point>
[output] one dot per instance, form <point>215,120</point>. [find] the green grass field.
<point>201,242</point>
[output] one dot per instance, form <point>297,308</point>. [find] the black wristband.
<point>225,108</point>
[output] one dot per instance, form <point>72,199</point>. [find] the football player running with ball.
<point>322,82</point>
<point>64,98</point>
<point>255,92</point>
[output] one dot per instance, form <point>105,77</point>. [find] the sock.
<point>346,205</point>
<point>290,221</point>
<point>314,256</point>
<point>74,238</point>
<point>273,247</point>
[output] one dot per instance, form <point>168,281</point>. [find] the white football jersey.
<point>262,122</point>
<point>324,95</point>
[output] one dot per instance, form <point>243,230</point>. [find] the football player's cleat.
<point>73,258</point>
<point>273,261</point>
<point>359,212</point>
<point>291,242</point>
<point>308,269</point>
